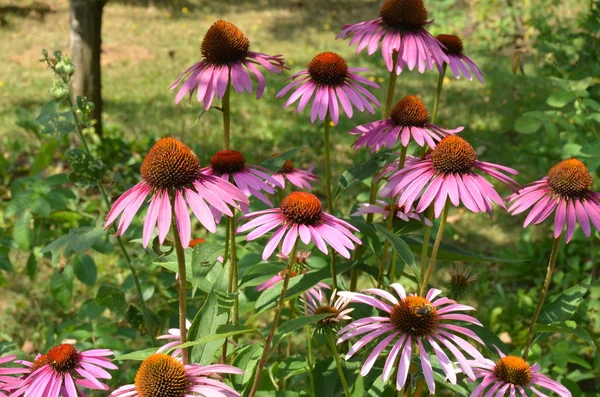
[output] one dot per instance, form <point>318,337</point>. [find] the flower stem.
<point>275,323</point>
<point>436,100</point>
<point>426,236</point>
<point>436,247</point>
<point>182,284</point>
<point>389,99</point>
<point>328,187</point>
<point>545,287</point>
<point>338,362</point>
<point>225,107</point>
<point>233,271</point>
<point>309,358</point>
<point>134,275</point>
<point>390,223</point>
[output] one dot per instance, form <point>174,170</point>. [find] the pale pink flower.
<point>315,302</point>
<point>459,63</point>
<point>383,208</point>
<point>296,176</point>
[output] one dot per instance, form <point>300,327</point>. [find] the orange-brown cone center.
<point>513,369</point>
<point>414,315</point>
<point>302,208</point>
<point>410,112</point>
<point>170,164</point>
<point>63,358</point>
<point>453,155</point>
<point>39,362</point>
<point>454,45</point>
<point>570,178</point>
<point>160,375</point>
<point>404,15</point>
<point>227,162</point>
<point>224,44</point>
<point>328,68</point>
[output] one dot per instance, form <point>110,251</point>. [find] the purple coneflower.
<point>174,335</point>
<point>296,176</point>
<point>300,215</point>
<point>448,172</point>
<point>169,171</point>
<point>250,179</point>
<point>459,63</point>
<point>315,302</point>
<point>298,267</point>
<point>227,55</point>
<point>7,380</point>
<point>512,374</point>
<point>400,28</point>
<point>408,119</point>
<point>63,370</point>
<point>566,192</point>
<point>383,208</point>
<point>162,372</point>
<point>409,320</point>
<point>330,79</point>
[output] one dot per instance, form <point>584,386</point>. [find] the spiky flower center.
<point>453,155</point>
<point>513,369</point>
<point>160,375</point>
<point>224,44</point>
<point>414,315</point>
<point>302,208</point>
<point>453,44</point>
<point>410,112</point>
<point>39,363</point>
<point>63,358</point>
<point>328,68</point>
<point>227,162</point>
<point>404,15</point>
<point>570,178</point>
<point>326,309</point>
<point>170,164</point>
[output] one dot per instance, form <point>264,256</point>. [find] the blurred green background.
<point>527,119</point>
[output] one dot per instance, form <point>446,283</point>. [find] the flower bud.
<point>59,89</point>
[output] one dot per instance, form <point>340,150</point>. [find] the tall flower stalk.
<point>544,292</point>
<point>434,251</point>
<point>327,149</point>
<point>338,361</point>
<point>267,347</point>
<point>181,269</point>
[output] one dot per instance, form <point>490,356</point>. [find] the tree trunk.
<point>86,41</point>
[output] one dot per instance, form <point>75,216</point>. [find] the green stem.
<point>225,107</point>
<point>328,187</point>
<point>545,287</point>
<point>275,323</point>
<point>134,275</point>
<point>309,358</point>
<point>389,99</point>
<point>233,270</point>
<point>426,237</point>
<point>390,223</point>
<point>436,100</point>
<point>392,271</point>
<point>338,362</point>
<point>182,284</point>
<point>436,247</point>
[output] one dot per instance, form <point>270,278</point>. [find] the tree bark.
<point>85,43</point>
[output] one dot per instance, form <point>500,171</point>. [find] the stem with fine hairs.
<point>436,247</point>
<point>545,287</point>
<point>438,93</point>
<point>275,323</point>
<point>328,188</point>
<point>182,284</point>
<point>338,362</point>
<point>225,107</point>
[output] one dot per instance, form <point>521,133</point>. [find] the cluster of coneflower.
<point>424,324</point>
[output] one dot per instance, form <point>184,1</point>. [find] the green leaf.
<point>222,332</point>
<point>22,231</point>
<point>206,322</point>
<point>111,297</point>
<point>61,286</point>
<point>568,327</point>
<point>139,355</point>
<point>44,157</point>
<point>53,122</point>
<point>450,252</point>
<point>259,273</point>
<point>78,239</point>
<point>31,267</point>
<point>293,325</point>
<point>489,338</point>
<point>5,262</point>
<point>246,360</point>
<point>204,258</point>
<point>527,124</point>
<point>85,269</point>
<point>274,164</point>
<point>86,170</point>
<point>565,305</point>
<point>401,248</point>
<point>561,98</point>
<point>359,172</point>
